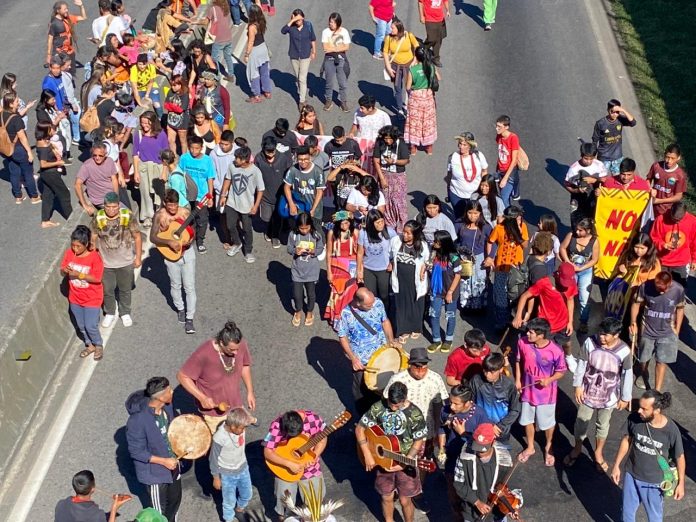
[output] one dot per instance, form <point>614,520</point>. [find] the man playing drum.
<point>213,373</point>
<point>362,328</point>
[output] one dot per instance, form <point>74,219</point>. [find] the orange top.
<point>509,252</point>
<point>647,275</point>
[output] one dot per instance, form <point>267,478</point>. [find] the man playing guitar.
<point>291,424</point>
<point>398,417</point>
<point>183,271</point>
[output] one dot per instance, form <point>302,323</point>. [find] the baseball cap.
<point>484,436</point>
<point>565,275</point>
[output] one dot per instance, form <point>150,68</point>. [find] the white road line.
<point>54,437</point>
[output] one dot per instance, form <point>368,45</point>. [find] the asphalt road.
<point>543,67</point>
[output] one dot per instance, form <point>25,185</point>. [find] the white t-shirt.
<point>473,166</point>
<point>117,25</point>
<point>340,37</point>
<point>596,168</point>
<point>359,199</point>
<point>369,125</point>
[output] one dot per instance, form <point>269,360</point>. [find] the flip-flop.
<point>569,460</point>
<point>309,321</point>
<point>601,467</point>
<point>296,320</point>
<point>415,335</point>
<point>403,339</point>
<point>549,460</point>
<point>524,455</point>
<point>98,353</point>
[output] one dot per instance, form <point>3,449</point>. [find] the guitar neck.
<point>401,459</point>
<point>191,217</point>
<point>316,439</point>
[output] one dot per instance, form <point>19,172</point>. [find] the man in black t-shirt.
<point>607,135</point>
<point>286,141</point>
<point>273,166</point>
<point>649,439</point>
<point>81,507</point>
<point>341,149</point>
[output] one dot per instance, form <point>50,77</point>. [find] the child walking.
<point>445,274</point>
<point>228,463</point>
<point>304,245</point>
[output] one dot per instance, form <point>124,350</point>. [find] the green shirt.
<point>418,76</point>
<point>163,425</point>
<point>408,424</point>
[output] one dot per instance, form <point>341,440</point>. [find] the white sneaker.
<point>108,321</point>
<point>127,320</point>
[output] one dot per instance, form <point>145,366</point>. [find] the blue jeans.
<point>222,51</point>
<point>236,12</point>
<point>381,30</point>
<point>155,98</point>
<point>511,188</point>
<point>21,172</point>
<point>87,319</point>
<point>262,83</point>
<point>637,492</point>
<point>75,124</point>
<point>584,280</point>
<point>436,303</point>
<point>231,484</point>
<point>183,273</point>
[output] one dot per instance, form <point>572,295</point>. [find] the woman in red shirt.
<point>84,269</point>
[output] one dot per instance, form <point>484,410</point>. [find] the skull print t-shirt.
<point>604,374</point>
<point>407,424</point>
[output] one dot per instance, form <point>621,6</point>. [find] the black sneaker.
<point>181,316</point>
<point>190,329</point>
<point>421,504</point>
<point>202,249</point>
<point>275,242</point>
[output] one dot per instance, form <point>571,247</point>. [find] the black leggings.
<point>298,290</point>
<point>378,283</point>
<point>53,187</point>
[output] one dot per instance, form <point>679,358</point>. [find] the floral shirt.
<point>509,252</point>
<point>362,342</point>
<point>407,424</point>
<point>312,425</point>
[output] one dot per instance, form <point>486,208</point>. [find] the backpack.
<point>191,187</point>
<point>522,160</point>
<point>518,280</point>
<point>602,376</point>
<point>7,145</point>
<point>89,121</point>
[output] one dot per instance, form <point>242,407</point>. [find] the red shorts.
<point>407,485</point>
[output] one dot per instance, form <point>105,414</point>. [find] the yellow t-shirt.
<point>143,78</point>
<point>405,54</point>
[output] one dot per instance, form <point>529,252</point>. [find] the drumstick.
<point>504,337</point>
<point>120,496</point>
<point>183,455</point>
<point>223,406</point>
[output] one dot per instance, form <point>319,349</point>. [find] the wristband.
<point>81,275</point>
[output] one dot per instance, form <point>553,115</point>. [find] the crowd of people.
<point>155,113</point>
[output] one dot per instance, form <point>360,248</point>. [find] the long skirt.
<point>473,291</point>
<point>396,212</point>
<point>409,310</point>
<point>421,121</point>
<point>343,286</point>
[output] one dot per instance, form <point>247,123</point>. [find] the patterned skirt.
<point>396,193</point>
<point>421,121</point>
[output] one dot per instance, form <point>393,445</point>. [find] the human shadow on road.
<point>126,469</point>
<point>532,213</point>
<point>364,39</point>
<point>382,93</point>
<point>557,170</point>
<point>153,270</point>
<point>685,368</point>
<point>325,356</point>
<point>261,478</point>
<point>472,11</point>
<point>279,274</point>
<point>285,82</point>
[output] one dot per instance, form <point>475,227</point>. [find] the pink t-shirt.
<point>505,148</point>
<point>207,371</point>
<point>221,26</point>
<point>539,363</point>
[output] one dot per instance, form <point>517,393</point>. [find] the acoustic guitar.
<point>385,449</point>
<point>178,232</point>
<point>299,449</point>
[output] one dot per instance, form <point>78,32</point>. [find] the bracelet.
<point>81,275</point>
<point>361,442</point>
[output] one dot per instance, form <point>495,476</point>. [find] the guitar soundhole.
<point>380,451</point>
<point>296,454</point>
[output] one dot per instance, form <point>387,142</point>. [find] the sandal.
<point>602,467</point>
<point>549,460</point>
<point>98,353</point>
<point>309,320</point>
<point>296,320</point>
<point>415,335</point>
<point>403,339</point>
<point>89,350</point>
<point>524,456</point>
<point>569,460</point>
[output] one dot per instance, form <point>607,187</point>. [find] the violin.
<point>505,501</point>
